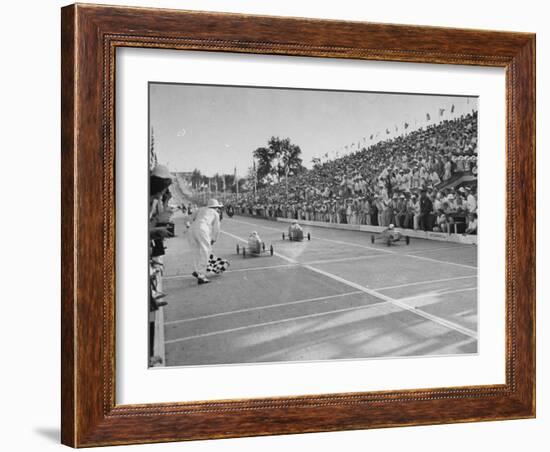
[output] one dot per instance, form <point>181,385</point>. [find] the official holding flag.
<point>203,233</point>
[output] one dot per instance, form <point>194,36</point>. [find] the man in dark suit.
<point>426,207</point>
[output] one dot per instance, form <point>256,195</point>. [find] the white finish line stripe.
<point>427,250</point>
<point>343,259</point>
<point>274,322</point>
<point>341,242</point>
<point>233,271</point>
<point>426,282</point>
<point>258,308</point>
<point>433,318</point>
<point>435,294</point>
<point>401,304</point>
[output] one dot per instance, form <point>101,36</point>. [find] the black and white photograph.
<point>290,224</point>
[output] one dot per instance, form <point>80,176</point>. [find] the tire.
<point>238,249</point>
<point>407,239</point>
<point>271,250</point>
<point>308,236</point>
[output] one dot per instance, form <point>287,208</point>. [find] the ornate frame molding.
<point>90,37</point>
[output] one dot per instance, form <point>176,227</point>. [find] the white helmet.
<point>391,226</point>
<point>161,172</point>
<point>213,203</point>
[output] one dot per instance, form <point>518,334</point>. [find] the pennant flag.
<point>453,108</point>
<point>441,111</point>
<point>428,117</point>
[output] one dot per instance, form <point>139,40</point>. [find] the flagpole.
<point>286,182</point>
<point>236,180</point>
<point>255,177</point>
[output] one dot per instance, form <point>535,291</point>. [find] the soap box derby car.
<point>254,247</point>
<point>390,236</point>
<point>296,233</point>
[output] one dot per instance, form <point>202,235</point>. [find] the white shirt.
<point>472,203</point>
<point>206,221</point>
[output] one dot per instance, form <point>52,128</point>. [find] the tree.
<point>196,178</point>
<point>278,159</point>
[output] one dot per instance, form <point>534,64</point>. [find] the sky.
<point>216,128</point>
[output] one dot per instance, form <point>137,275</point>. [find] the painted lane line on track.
<point>428,250</point>
<point>431,317</point>
<point>274,322</point>
<point>258,308</point>
<point>435,294</point>
<point>185,276</point>
<point>401,304</point>
<point>419,283</point>
<point>343,259</point>
<point>341,242</point>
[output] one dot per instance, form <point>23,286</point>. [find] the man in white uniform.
<point>203,233</point>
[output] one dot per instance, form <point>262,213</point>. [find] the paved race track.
<point>335,297</point>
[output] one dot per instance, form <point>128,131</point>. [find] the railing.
<point>156,314</point>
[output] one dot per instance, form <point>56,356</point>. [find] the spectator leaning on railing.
<point>159,229</point>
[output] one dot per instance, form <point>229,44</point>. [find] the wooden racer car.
<point>254,247</point>
<point>296,233</point>
<point>390,236</point>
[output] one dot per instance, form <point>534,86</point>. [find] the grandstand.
<point>382,184</point>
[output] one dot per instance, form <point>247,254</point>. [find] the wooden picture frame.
<point>90,37</point>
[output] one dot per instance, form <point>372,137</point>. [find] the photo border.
<point>90,36</point>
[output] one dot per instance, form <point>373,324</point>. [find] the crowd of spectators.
<point>408,181</point>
